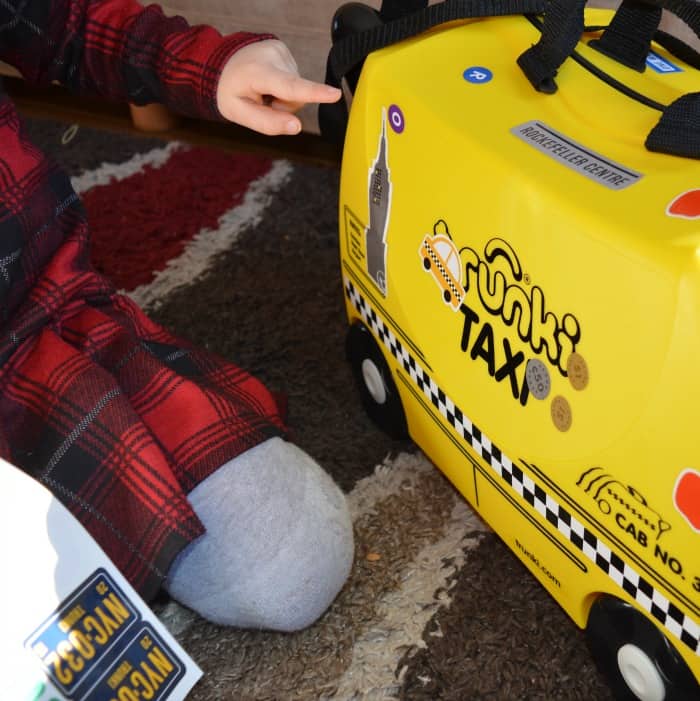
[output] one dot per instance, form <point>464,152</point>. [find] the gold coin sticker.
<point>561,413</point>
<point>577,370</point>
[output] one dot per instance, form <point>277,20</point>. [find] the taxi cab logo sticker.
<point>686,497</point>
<point>379,190</point>
<point>441,258</point>
<point>686,205</point>
<point>88,628</point>
<point>629,507</point>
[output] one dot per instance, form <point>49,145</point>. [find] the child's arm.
<point>123,51</point>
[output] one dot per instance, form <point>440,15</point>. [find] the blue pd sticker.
<point>477,75</point>
<point>662,65</point>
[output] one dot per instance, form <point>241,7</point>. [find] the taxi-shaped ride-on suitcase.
<point>520,251</point>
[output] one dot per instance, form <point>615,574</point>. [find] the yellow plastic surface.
<point>532,275</point>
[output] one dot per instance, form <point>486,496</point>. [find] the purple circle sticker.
<point>396,119</point>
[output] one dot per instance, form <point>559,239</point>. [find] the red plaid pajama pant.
<point>118,418</point>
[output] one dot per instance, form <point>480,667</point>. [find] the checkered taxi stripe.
<point>651,600</point>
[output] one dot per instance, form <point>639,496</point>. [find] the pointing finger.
<point>262,118</point>
<point>291,88</point>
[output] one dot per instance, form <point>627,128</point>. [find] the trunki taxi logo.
<point>495,279</point>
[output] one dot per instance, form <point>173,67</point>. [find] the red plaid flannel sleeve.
<point>118,49</point>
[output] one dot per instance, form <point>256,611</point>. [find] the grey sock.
<point>278,545</point>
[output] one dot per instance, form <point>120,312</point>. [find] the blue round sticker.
<point>477,75</point>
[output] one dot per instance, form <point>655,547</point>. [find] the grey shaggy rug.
<point>436,606</point>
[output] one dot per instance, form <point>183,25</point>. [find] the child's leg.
<point>278,545</point>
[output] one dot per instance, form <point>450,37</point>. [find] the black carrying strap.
<point>678,48</point>
<point>561,31</point>
<point>563,26</point>
<point>677,131</point>
<point>628,37</point>
<point>393,9</point>
<point>353,49</point>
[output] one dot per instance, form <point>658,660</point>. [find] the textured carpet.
<point>239,254</point>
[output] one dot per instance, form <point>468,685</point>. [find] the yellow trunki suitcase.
<point>520,251</point>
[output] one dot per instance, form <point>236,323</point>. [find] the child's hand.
<point>260,88</point>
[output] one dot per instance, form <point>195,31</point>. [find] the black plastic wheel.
<point>637,659</point>
<point>378,391</point>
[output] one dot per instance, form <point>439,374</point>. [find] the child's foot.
<point>278,546</point>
